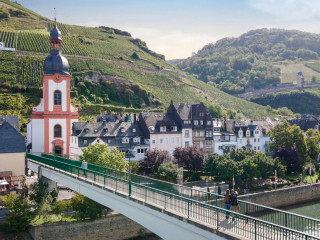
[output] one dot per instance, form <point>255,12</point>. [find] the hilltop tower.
<point>50,124</point>
<point>300,80</point>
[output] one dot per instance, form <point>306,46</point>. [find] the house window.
<point>201,114</point>
<point>125,140</point>
<point>208,133</point>
<point>109,140</point>
<point>258,148</point>
<point>172,140</point>
<point>133,130</point>
<point>153,141</point>
<point>161,140</point>
<point>136,140</point>
<point>240,140</point>
<point>195,122</point>
<point>255,140</point>
<point>162,129</point>
<point>186,144</point>
<point>57,97</point>
<point>85,141</point>
<point>187,122</point>
<point>208,144</point>
<point>178,139</point>
<point>202,134</point>
<point>57,131</point>
<point>255,148</point>
<point>201,122</point>
<point>186,135</point>
<point>167,141</point>
<point>258,139</point>
<point>208,122</point>
<point>123,130</point>
<point>138,150</point>
<point>174,128</point>
<point>248,133</point>
<point>98,141</point>
<point>220,148</point>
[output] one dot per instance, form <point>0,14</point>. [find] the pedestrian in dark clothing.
<point>234,202</point>
<point>227,203</point>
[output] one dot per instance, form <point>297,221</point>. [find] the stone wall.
<point>115,226</point>
<point>285,196</point>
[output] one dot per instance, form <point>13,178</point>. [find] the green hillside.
<point>111,70</point>
<point>255,59</point>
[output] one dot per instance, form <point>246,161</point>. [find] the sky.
<point>177,28</point>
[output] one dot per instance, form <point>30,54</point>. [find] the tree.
<point>191,159</point>
<point>216,111</point>
<point>312,142</point>
<point>153,159</point>
<point>86,207</point>
<point>168,171</point>
<point>61,207</point>
<point>40,191</point>
<point>100,154</point>
<point>284,135</point>
<point>249,170</point>
<point>239,155</point>
<point>291,157</point>
<point>20,214</point>
<point>211,164</point>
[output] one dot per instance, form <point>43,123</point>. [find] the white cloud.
<point>288,9</point>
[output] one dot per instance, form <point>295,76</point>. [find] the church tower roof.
<point>55,62</point>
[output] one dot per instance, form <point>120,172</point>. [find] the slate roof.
<point>12,120</point>
<point>11,141</point>
<point>152,120</point>
<point>105,129</point>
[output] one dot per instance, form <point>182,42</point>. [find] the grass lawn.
<point>53,219</point>
<point>296,176</point>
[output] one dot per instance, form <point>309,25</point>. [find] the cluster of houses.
<point>182,125</point>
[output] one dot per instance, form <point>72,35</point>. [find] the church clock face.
<point>57,77</point>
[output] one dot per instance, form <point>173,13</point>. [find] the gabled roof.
<point>11,141</point>
<point>105,129</point>
<point>12,120</point>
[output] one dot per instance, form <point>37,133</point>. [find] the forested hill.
<point>112,71</point>
<point>253,59</point>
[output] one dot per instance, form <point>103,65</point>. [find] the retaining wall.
<point>285,196</point>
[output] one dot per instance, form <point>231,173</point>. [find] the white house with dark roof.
<point>12,148</point>
<point>122,135</point>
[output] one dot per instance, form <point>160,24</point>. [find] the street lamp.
<point>129,174</point>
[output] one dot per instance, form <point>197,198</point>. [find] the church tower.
<point>50,124</point>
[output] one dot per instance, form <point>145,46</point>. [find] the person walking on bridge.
<point>234,202</point>
<point>84,165</point>
<point>227,203</point>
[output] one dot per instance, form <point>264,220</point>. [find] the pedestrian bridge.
<point>172,211</point>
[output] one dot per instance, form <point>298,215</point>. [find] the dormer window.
<point>105,129</point>
<point>240,133</point>
<point>201,122</point>
<point>174,129</point>
<point>96,130</point>
<point>208,122</point>
<point>162,129</point>
<point>195,122</point>
<point>125,140</point>
<point>134,130</point>
<point>248,133</point>
<point>86,129</point>
<point>201,114</point>
<point>122,130</point>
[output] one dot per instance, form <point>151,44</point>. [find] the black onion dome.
<point>55,33</point>
<point>56,64</point>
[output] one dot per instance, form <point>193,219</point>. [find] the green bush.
<point>86,207</point>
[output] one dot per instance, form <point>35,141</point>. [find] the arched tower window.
<point>57,97</point>
<point>57,131</point>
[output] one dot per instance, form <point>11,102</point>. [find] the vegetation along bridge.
<point>172,211</point>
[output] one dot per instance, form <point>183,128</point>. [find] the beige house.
<point>12,148</point>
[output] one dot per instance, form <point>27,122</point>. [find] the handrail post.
<point>104,180</point>
<point>255,229</point>
<point>188,208</point>
<point>129,174</point>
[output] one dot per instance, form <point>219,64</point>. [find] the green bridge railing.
<point>208,204</point>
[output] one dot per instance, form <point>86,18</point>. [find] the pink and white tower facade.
<point>50,124</point>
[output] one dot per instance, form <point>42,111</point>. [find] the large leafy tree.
<point>20,214</point>
<point>285,135</point>
<point>86,207</point>
<point>102,155</point>
<point>312,142</point>
<point>153,159</point>
<point>168,171</point>
<point>190,158</point>
<point>291,157</point>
